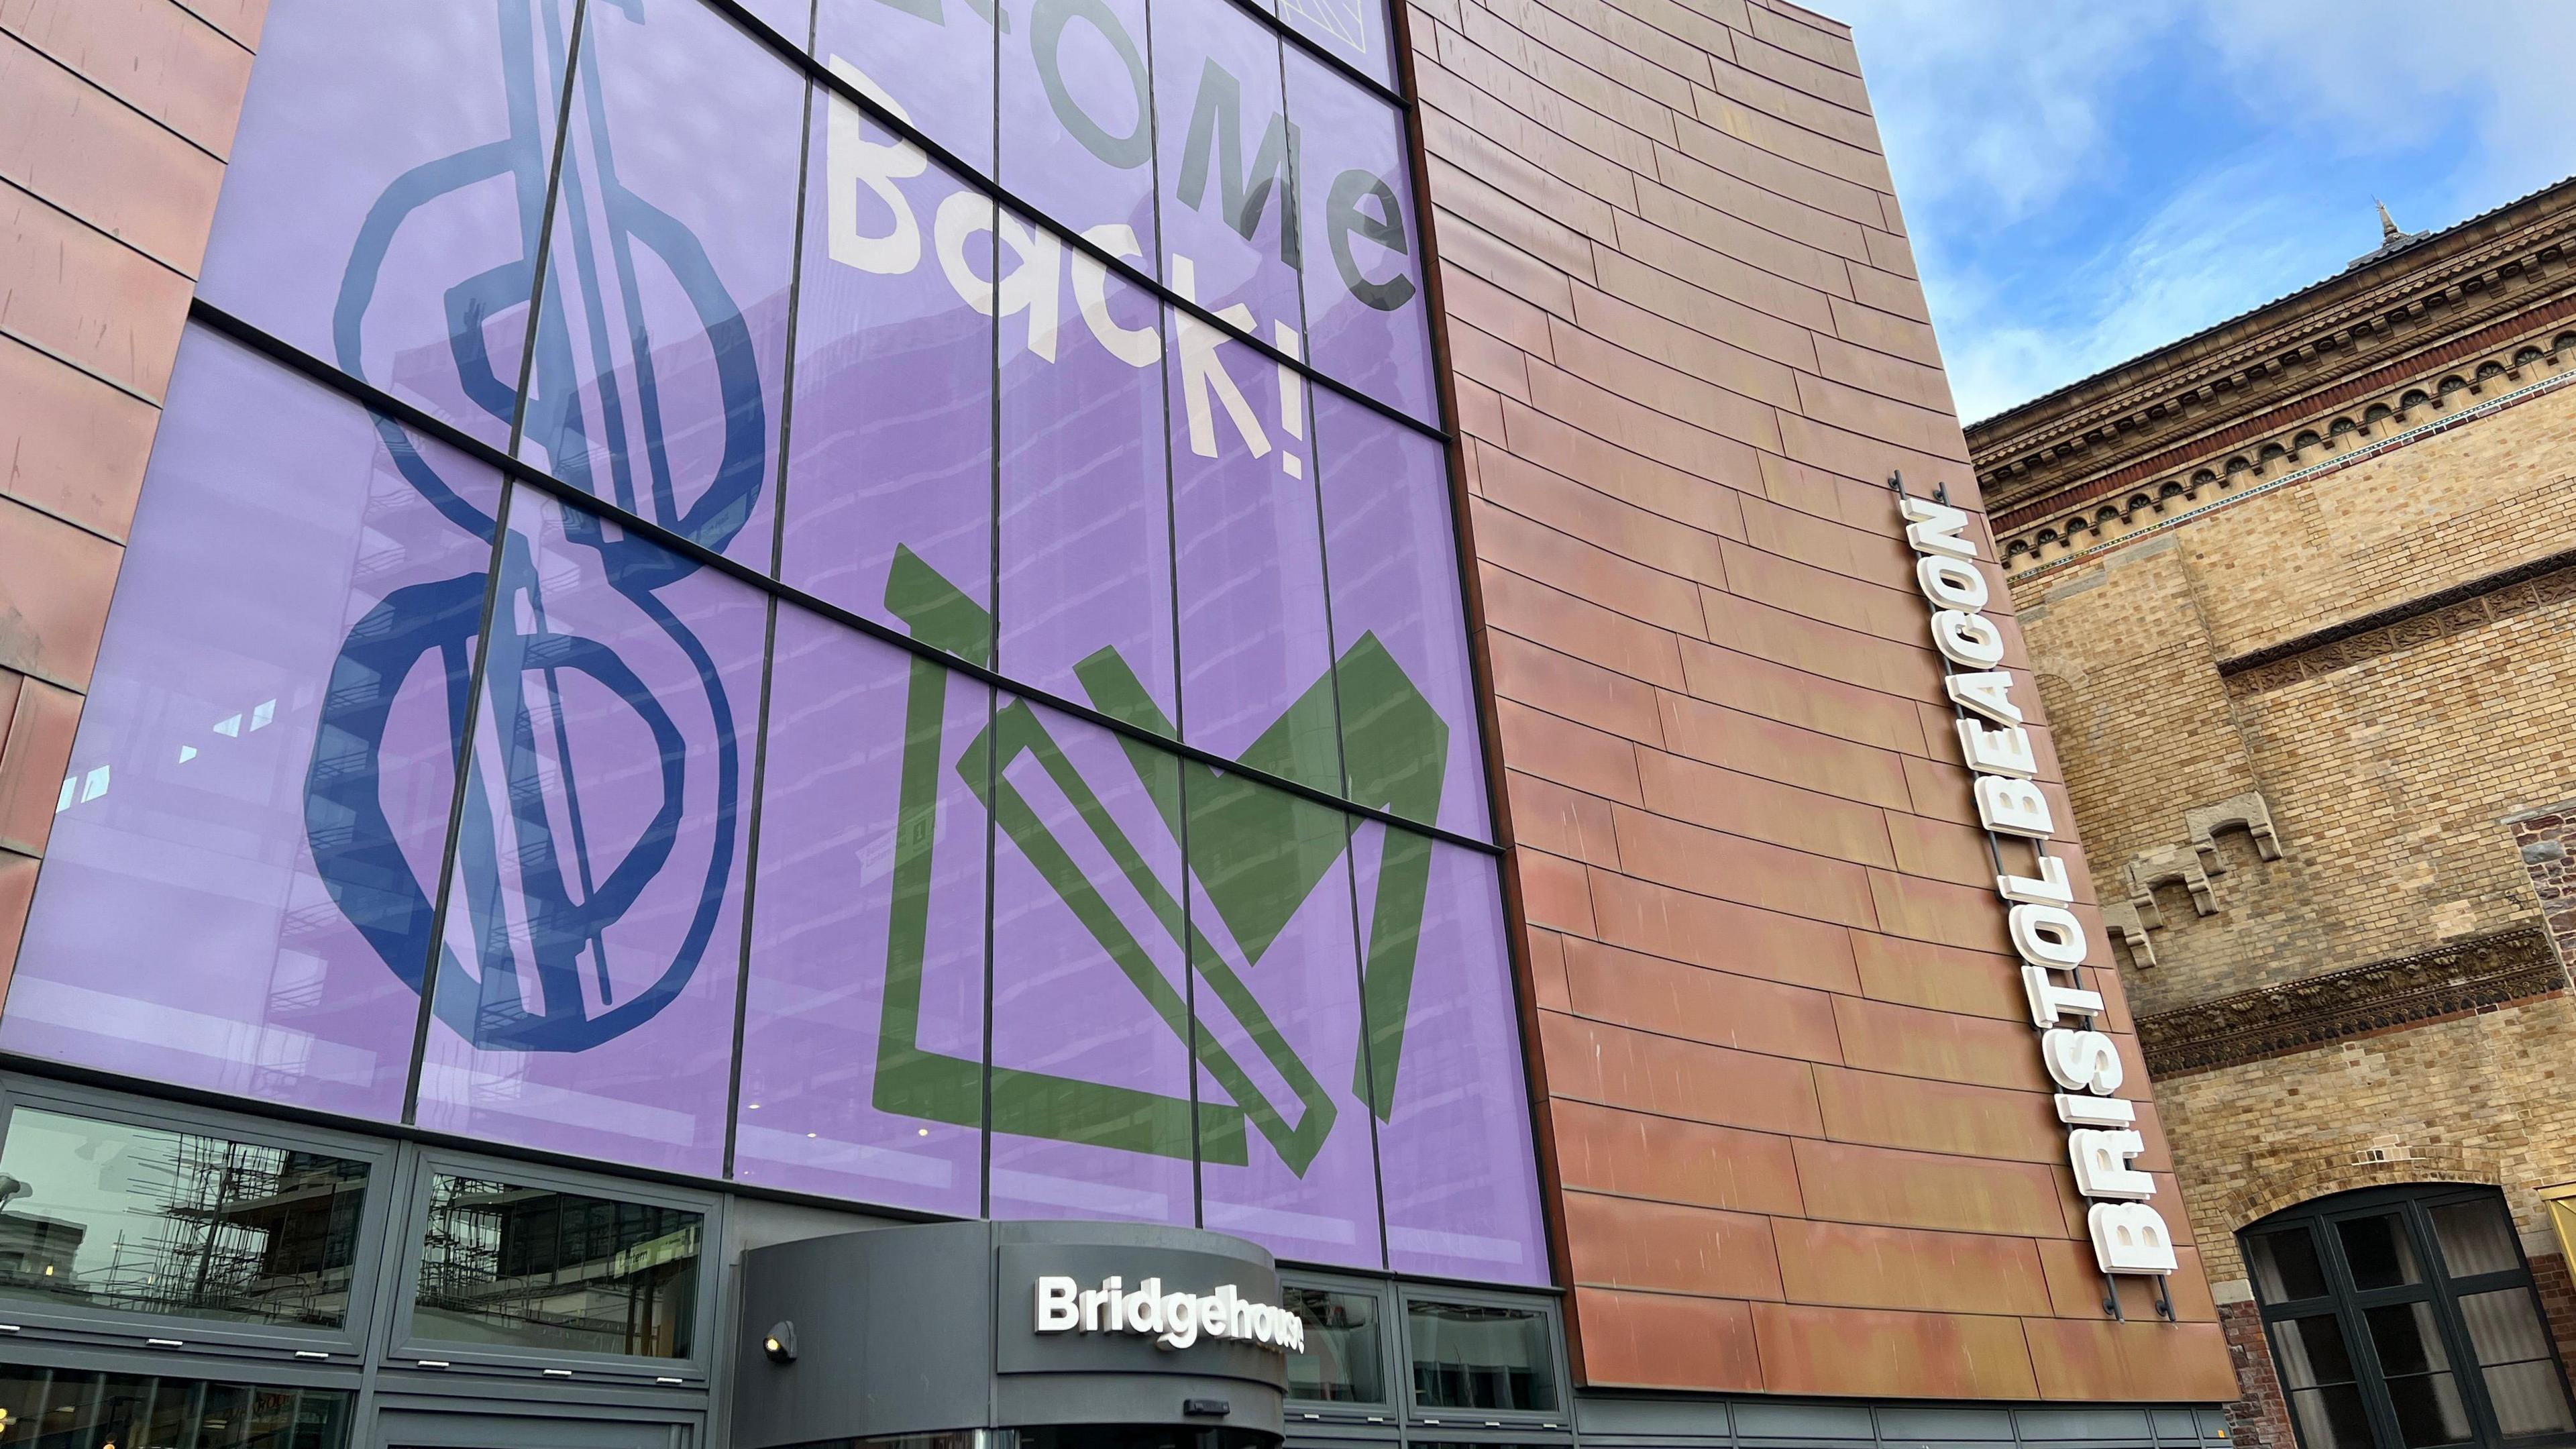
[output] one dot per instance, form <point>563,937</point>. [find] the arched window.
<point>2046,537</point>
<point>2373,414</point>
<point>2344,425</point>
<point>2490,368</point>
<point>2015,549</point>
<point>2527,356</point>
<point>2562,341</point>
<point>2414,398</point>
<point>2107,513</point>
<point>2404,1318</point>
<point>2203,476</point>
<point>2140,500</point>
<point>2306,440</point>
<point>2453,383</point>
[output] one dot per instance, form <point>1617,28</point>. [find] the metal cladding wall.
<point>1793,1110</point>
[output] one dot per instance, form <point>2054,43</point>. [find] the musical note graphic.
<point>534,897</point>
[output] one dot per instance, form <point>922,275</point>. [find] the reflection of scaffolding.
<point>240,1231</point>
<point>546,1268</point>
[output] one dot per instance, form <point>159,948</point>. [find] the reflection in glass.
<point>2476,1237</point>
<point>1344,1361</point>
<point>661,337</point>
<point>71,1409</point>
<point>863,1027</point>
<point>2316,1367</point>
<point>1445,1062</point>
<point>2285,1265</point>
<point>929,62</point>
<point>1367,321</point>
<point>1352,31</point>
<point>1404,687</point>
<point>1077,125</point>
<point>1476,1356</point>
<point>386,192</point>
<point>526,1267</point>
<point>142,1220</point>
<point>2379,1252</point>
<point>1278,1009</point>
<point>1090,1028</point>
<point>1256,643</point>
<point>1229,167</point>
<point>890,438</point>
<point>1085,491</point>
<point>2515,1357</point>
<point>593,931</point>
<point>238,898</point>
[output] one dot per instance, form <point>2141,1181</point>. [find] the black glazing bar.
<point>1293,38</point>
<point>819,74</point>
<point>367,395</point>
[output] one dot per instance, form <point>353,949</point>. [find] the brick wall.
<point>2260,1419</point>
<point>2545,839</point>
<point>1790,1094</point>
<point>2390,780</point>
<point>115,117</point>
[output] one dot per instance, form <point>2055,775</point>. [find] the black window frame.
<point>409,1348</point>
<point>190,1334</point>
<point>2349,1304</point>
<point>1462,1425</point>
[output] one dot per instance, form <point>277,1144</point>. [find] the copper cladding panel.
<point>1794,1117</point>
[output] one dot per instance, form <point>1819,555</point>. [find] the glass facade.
<point>899,638</point>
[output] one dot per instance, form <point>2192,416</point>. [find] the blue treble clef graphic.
<point>531,860</point>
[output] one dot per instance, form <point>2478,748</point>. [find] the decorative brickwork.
<point>2462,607</point>
<point>2544,837</point>
<point>2261,1419</point>
<point>2507,965</point>
<point>2379,652</point>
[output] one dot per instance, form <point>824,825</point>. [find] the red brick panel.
<point>1798,1131</point>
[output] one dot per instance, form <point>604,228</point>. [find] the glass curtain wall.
<point>863,602</point>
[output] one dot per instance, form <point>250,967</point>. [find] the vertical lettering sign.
<point>2102,1138</point>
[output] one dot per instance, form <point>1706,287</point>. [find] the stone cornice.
<point>2483,272</point>
<point>2513,964</point>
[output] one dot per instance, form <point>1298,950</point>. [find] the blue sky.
<point>2087,181</point>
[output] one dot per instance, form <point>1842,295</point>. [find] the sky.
<point>2086,180</point>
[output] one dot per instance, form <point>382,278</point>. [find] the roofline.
<point>2282,302</point>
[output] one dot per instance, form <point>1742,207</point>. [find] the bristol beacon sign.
<point>1172,1320</point>
<point>2102,1136</point>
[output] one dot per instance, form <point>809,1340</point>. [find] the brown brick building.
<point>2299,592</point>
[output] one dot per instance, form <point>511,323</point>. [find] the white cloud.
<point>1994,112</point>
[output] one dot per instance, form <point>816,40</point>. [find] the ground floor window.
<point>2404,1318</point>
<point>75,1409</point>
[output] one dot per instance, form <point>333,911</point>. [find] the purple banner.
<point>292,623</point>
<point>863,1027</point>
<point>1390,541</point>
<point>586,981</point>
<point>381,210</point>
<point>662,332</point>
<point>891,447</point>
<point>1461,1195</point>
<point>985,956</point>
